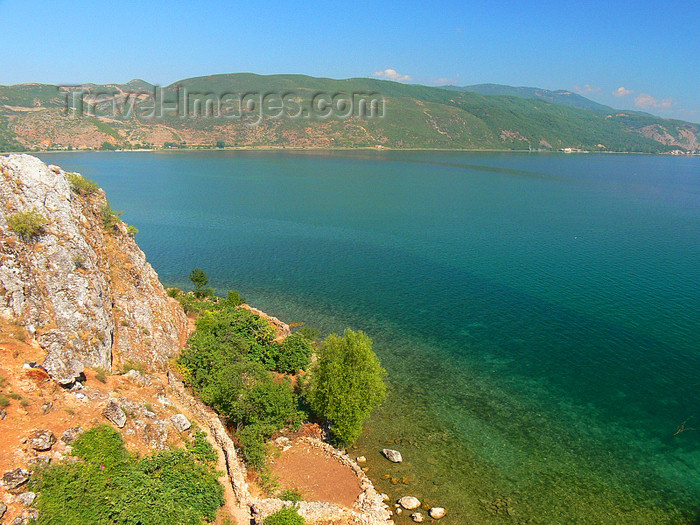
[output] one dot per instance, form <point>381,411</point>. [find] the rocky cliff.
<point>79,285</point>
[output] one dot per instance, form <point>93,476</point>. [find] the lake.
<point>538,314</point>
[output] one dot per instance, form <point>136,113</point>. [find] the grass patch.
<point>27,224</point>
<point>291,495</point>
<point>80,184</point>
<point>101,375</point>
<point>285,516</point>
<point>4,401</point>
<point>134,365</point>
<point>111,486</point>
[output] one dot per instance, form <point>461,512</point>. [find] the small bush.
<point>4,401</point>
<point>80,184</point>
<point>286,516</point>
<point>295,354</point>
<point>173,292</point>
<point>24,402</point>
<point>14,395</point>
<point>291,495</point>
<point>110,217</point>
<point>132,230</point>
<point>101,375</point>
<point>27,224</point>
<point>234,298</point>
<point>134,365</point>
<point>202,449</point>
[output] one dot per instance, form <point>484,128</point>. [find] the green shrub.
<point>4,401</point>
<point>308,332</point>
<point>110,486</point>
<point>291,495</point>
<point>234,298</point>
<point>202,449</point>
<point>130,364</point>
<point>80,184</point>
<point>285,516</point>
<point>295,354</point>
<point>345,384</point>
<point>132,230</point>
<point>27,224</point>
<point>253,441</point>
<point>173,292</point>
<point>110,217</point>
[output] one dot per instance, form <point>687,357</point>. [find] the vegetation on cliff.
<point>235,365</point>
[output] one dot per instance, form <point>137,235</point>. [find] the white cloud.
<point>587,88</point>
<point>644,100</point>
<point>622,92</point>
<point>392,74</point>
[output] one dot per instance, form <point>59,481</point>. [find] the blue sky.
<point>631,55</point>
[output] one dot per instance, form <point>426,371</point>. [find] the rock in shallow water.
<point>409,502</point>
<point>437,512</point>
<point>392,455</point>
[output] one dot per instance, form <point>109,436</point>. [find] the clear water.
<point>539,315</point>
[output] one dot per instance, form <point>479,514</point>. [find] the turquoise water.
<point>539,315</point>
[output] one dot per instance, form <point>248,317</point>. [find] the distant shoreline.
<point>368,148</point>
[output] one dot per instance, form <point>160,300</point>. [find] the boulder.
<point>14,478</point>
<point>26,498</point>
<point>392,455</point>
<point>417,517</point>
<point>409,502</point>
<point>41,440</point>
<point>180,422</point>
<point>70,434</point>
<point>437,513</point>
<point>115,414</point>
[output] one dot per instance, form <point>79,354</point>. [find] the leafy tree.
<point>345,384</point>
<point>200,280</point>
<point>294,354</point>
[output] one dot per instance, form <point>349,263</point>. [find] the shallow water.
<point>538,314</point>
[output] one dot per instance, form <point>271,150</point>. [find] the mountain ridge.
<point>406,116</point>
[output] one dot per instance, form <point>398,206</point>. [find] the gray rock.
<point>392,455</point>
<point>156,434</point>
<point>20,521</point>
<point>437,513</point>
<point>417,517</point>
<point>14,478</point>
<point>3,414</point>
<point>138,378</point>
<point>409,502</point>
<point>180,422</point>
<point>3,509</point>
<point>165,401</point>
<point>39,461</point>
<point>115,414</point>
<point>26,498</point>
<point>41,440</point>
<point>46,407</point>
<point>361,459</point>
<point>70,434</point>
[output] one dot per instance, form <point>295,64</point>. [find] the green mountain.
<point>248,110</point>
<point>565,98</point>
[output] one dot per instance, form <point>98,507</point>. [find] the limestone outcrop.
<point>81,287</point>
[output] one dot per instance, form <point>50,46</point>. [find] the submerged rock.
<point>392,455</point>
<point>437,513</point>
<point>417,517</point>
<point>409,502</point>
